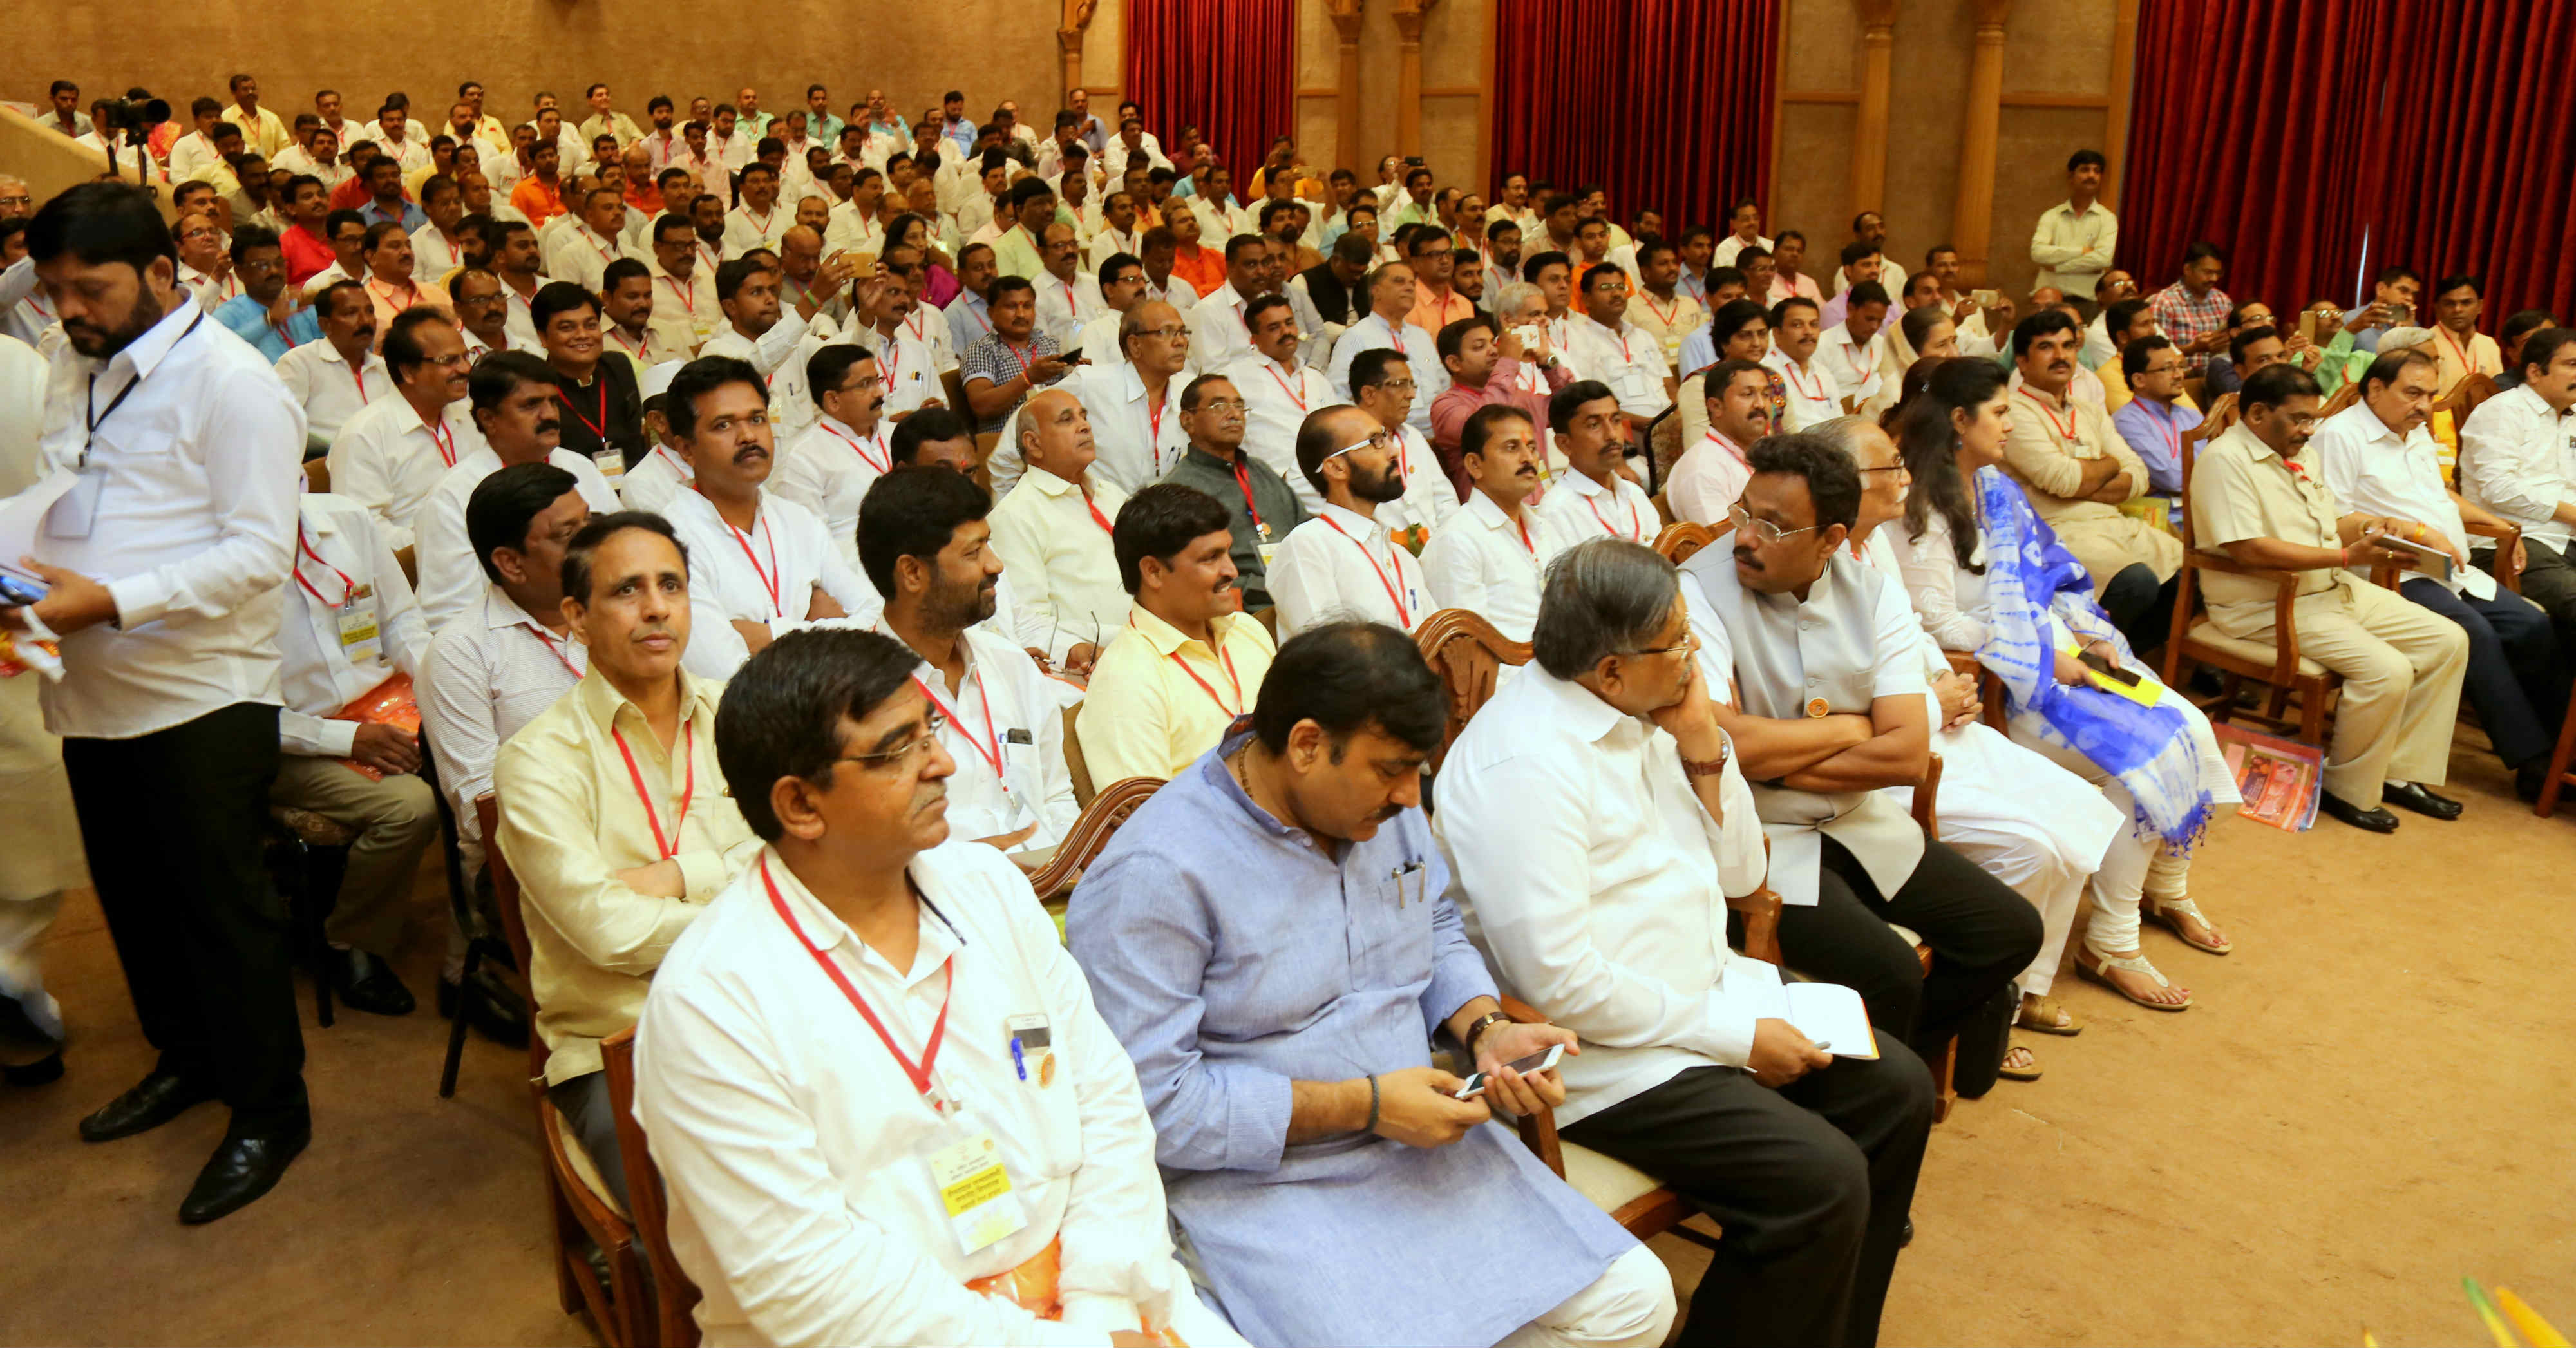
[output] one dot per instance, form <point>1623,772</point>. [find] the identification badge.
<point>974,1186</point>
<point>1269,555</point>
<point>1632,383</point>
<point>1817,707</point>
<point>359,639</point>
<point>76,509</point>
<point>612,464</point>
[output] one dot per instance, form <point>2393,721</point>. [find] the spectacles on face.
<point>1760,530</point>
<point>1689,642</point>
<point>1222,405</point>
<point>867,383</point>
<point>1382,440</point>
<point>1897,468</point>
<point>458,361</point>
<point>903,756</point>
<point>1164,333</point>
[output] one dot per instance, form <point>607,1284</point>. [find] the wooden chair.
<point>2560,777</point>
<point>1468,655</point>
<point>307,856</point>
<point>1990,690</point>
<point>580,1208</point>
<point>1663,507</point>
<point>671,1323</point>
<point>1090,833</point>
<point>952,388</point>
<point>317,475</point>
<point>1074,765</point>
<point>1268,617</point>
<point>1679,541</point>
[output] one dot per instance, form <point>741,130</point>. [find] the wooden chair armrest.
<point>2507,537</point>
<point>1537,1129</point>
<point>1761,910</point>
<point>2207,560</point>
<point>1962,662</point>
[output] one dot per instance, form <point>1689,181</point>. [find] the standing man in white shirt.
<point>173,501</point>
<point>2518,459</point>
<point>337,377</point>
<point>391,454</point>
<point>1134,404</point>
<point>1609,910</point>
<point>926,537</point>
<point>833,741</point>
<point>829,468</point>
<point>1279,392</point>
<point>518,410</point>
<point>1606,347</point>
<point>1491,558</point>
<point>1815,392</point>
<point>1054,534</point>
<point>2076,238</point>
<point>2379,460</point>
<point>1596,495</point>
<point>1710,475</point>
<point>350,627</point>
<point>759,566</point>
<point>1342,564</point>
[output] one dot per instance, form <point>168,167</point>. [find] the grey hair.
<point>1605,597</point>
<point>1513,296</point>
<point>1843,433</point>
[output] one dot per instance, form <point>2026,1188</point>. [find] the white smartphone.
<point>1529,333</point>
<point>1536,1062</point>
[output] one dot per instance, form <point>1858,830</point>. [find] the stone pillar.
<point>1346,102</point>
<point>1972,214</point>
<point>1869,129</point>
<point>2124,78</point>
<point>1077,20</point>
<point>1408,74</point>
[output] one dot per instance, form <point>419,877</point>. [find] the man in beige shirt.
<point>2257,494</point>
<point>2075,238</point>
<point>2077,471</point>
<point>613,812</point>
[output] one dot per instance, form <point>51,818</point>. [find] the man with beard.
<point>1342,563</point>
<point>1710,475</point>
<point>926,544</point>
<point>518,410</point>
<point>759,565</point>
<point>183,507</point>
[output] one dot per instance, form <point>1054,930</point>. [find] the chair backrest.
<point>514,920</point>
<point>1073,761</point>
<point>1090,833</point>
<point>1663,507</point>
<point>410,564</point>
<point>1268,617</point>
<point>317,475</point>
<point>2344,397</point>
<point>1468,655</point>
<point>1679,541</point>
<point>675,1296</point>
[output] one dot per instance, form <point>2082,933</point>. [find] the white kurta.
<point>1342,564</point>
<point>1492,564</point>
<point>767,576</point>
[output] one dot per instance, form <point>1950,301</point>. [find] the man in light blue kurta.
<point>1270,937</point>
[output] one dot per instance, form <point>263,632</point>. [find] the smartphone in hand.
<point>1536,1062</point>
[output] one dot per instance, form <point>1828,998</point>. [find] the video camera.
<point>134,116</point>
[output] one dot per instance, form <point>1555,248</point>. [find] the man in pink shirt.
<point>1485,367</point>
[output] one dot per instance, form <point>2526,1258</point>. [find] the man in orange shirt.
<point>1436,304</point>
<point>539,196</point>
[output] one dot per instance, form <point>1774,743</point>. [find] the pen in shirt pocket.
<point>1408,873</point>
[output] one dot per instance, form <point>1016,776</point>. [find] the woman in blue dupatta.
<point>1988,577</point>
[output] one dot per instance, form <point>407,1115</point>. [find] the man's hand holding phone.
<point>1418,1107</point>
<point>1515,1065</point>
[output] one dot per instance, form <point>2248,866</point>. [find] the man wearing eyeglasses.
<point>1343,563</point>
<point>1823,647</point>
<point>1134,402</point>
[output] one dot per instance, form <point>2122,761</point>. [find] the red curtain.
<point>1665,103</point>
<point>2305,136</point>
<point>1227,67</point>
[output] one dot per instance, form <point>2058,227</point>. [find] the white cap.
<point>657,380</point>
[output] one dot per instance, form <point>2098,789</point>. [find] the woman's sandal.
<point>2175,915</point>
<point>2011,1073</point>
<point>2044,1016</point>
<point>2134,964</point>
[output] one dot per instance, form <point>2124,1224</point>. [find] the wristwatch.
<point>1477,1027</point>
<point>1710,767</point>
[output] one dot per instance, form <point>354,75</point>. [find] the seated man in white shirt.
<point>1815,391</point>
<point>1054,531</point>
<point>582,251</point>
<point>1491,556</point>
<point>1279,391</point>
<point>1342,564</point>
<point>1605,346</point>
<point>335,378</point>
<point>2516,460</point>
<point>1709,475</point>
<point>1219,332</point>
<point>1392,294</point>
<point>759,565</point>
<point>927,544</point>
<point>664,472</point>
<point>519,412</point>
<point>831,740</point>
<point>1068,297</point>
<point>1190,660</point>
<point>830,467</point>
<point>758,329</point>
<point>389,457</point>
<point>1134,403</point>
<point>1595,496</point>
<point>1606,911</point>
<point>351,626</point>
<point>1384,383</point>
<point>1849,350</point>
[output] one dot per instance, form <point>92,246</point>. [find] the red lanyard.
<point>1096,517</point>
<point>1154,428</point>
<point>890,355</point>
<point>1243,479</point>
<point>1790,368</point>
<point>599,429</point>
<point>769,578</point>
<point>688,296</point>
<point>2466,369</point>
<point>1403,614</point>
<point>981,321</point>
<point>1296,395</point>
<point>1023,360</point>
<point>553,647</point>
<point>1663,316</point>
<point>861,449</point>
<point>990,747</point>
<point>348,587</point>
<point>1395,334</point>
<point>1230,677</point>
<point>2173,431</point>
<point>916,1073</point>
<point>2065,428</point>
<point>597,246</point>
<point>1636,522</point>
<point>632,348</point>
<point>443,436</point>
<point>1531,547</point>
<point>411,292</point>
<point>1720,440</point>
<point>358,376</point>
<point>670,845</point>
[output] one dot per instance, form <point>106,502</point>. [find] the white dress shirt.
<point>1853,366</point>
<point>651,484</point>
<point>1136,442</point>
<point>1708,480</point>
<point>1491,563</point>
<point>746,229</point>
<point>1421,356</point>
<point>1058,546</point>
<point>389,460</point>
<point>1729,246</point>
<point>1179,294</point>
<point>1610,917</point>
<point>786,1132</point>
<point>2518,459</point>
<point>581,255</point>
<point>1629,360</point>
<point>1098,341</point>
<point>849,230</point>
<point>1108,243</point>
<point>685,313</point>
<point>433,256</point>
<point>908,364</point>
<point>829,472</point>
<point>1275,403</point>
<point>329,391</point>
<point>1429,499</point>
<point>350,624</point>
<point>451,578</point>
<point>1218,337</point>
<point>1342,564</point>
<point>480,682</point>
<point>2371,469</point>
<point>1064,306</point>
<point>1815,391</point>
<point>1004,709</point>
<point>192,523</point>
<point>1581,509</point>
<point>767,576</point>
<point>768,353</point>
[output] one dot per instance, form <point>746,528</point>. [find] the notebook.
<point>1829,1013</point>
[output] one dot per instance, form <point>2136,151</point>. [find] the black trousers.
<point>2515,680</point>
<point>172,823</point>
<point>2549,580</point>
<point>1810,1185</point>
<point>1982,936</point>
<point>2141,606</point>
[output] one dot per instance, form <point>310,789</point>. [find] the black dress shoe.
<point>241,1169</point>
<point>368,983</point>
<point>2377,821</point>
<point>155,1100</point>
<point>2529,779</point>
<point>2414,797</point>
<point>499,1013</point>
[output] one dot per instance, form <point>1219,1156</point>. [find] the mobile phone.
<point>1536,1062</point>
<point>1987,299</point>
<point>2308,327</point>
<point>1529,333</point>
<point>17,590</point>
<point>2108,670</point>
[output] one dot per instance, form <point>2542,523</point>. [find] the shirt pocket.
<point>1389,925</point>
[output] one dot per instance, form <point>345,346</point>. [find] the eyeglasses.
<point>1164,333</point>
<point>866,384</point>
<point>903,755</point>
<point>1748,527</point>
<point>1398,386</point>
<point>1689,642</point>
<point>457,361</point>
<point>1897,468</point>
<point>1383,440</point>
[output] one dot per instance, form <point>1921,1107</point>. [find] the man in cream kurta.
<point>2055,450</point>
